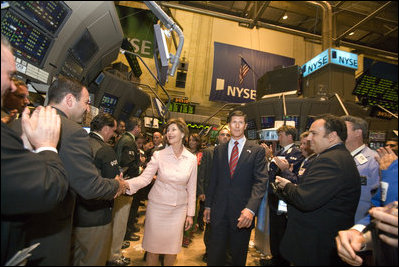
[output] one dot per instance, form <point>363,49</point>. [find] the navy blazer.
<point>230,195</point>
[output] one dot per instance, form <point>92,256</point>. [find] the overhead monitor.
<point>29,42</point>
<point>84,49</point>
<point>268,134</point>
<point>108,103</point>
<point>72,68</point>
<point>294,118</point>
<point>49,16</point>
<point>267,122</point>
<point>161,54</point>
<point>99,78</point>
<point>373,91</point>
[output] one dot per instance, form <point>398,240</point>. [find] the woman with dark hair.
<point>171,201</point>
<point>194,146</point>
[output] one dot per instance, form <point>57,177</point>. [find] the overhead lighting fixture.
<point>285,17</point>
<point>352,33</point>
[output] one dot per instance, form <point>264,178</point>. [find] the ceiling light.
<point>352,33</point>
<point>285,17</point>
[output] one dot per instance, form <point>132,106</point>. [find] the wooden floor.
<point>191,256</point>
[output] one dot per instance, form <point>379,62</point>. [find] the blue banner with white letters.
<point>226,86</point>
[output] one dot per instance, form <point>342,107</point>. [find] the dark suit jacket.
<point>95,212</point>
<point>205,170</point>
<point>31,183</point>
<point>54,229</point>
<point>128,154</point>
<point>324,202</point>
<point>228,196</point>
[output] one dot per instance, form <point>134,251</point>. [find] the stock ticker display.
<point>29,42</point>
<point>373,91</point>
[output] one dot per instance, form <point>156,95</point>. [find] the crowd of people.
<point>77,195</point>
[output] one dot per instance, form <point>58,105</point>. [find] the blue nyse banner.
<point>227,66</point>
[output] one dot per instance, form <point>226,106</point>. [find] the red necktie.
<point>233,159</point>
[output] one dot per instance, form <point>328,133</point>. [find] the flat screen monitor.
<point>161,54</point>
<point>252,134</point>
<point>268,134</point>
<point>294,118</point>
<point>72,68</point>
<point>50,16</point>
<point>29,42</point>
<point>267,122</point>
<point>377,136</point>
<point>99,78</point>
<point>251,124</point>
<point>84,49</point>
<point>108,103</point>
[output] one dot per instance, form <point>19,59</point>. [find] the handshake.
<point>123,185</point>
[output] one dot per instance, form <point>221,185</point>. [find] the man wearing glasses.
<point>15,102</point>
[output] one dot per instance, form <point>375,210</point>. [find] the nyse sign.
<point>328,56</point>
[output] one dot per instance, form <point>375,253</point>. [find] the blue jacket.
<point>389,183</point>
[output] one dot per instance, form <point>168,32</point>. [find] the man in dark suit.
<point>325,199</point>
<point>204,174</point>
<point>31,183</point>
<point>92,219</point>
<point>54,229</point>
<point>290,156</point>
<point>237,185</point>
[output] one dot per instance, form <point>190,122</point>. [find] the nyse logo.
<point>235,91</point>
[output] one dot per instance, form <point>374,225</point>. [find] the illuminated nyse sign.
<point>330,55</point>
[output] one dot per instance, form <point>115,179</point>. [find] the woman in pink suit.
<point>171,201</point>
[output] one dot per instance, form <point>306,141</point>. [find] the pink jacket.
<point>176,181</point>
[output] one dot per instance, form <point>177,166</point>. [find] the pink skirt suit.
<point>171,199</point>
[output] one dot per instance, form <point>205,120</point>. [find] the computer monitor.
<point>161,54</point>
<point>108,103</point>
<point>267,122</point>
<point>268,134</point>
<point>84,49</point>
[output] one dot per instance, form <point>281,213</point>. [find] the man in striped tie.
<point>237,185</point>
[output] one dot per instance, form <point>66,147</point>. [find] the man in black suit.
<point>54,229</point>
<point>92,219</point>
<point>290,156</point>
<point>31,183</point>
<point>325,199</point>
<point>204,174</point>
<point>237,185</point>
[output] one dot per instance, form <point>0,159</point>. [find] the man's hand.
<point>282,163</point>
<point>10,117</point>
<point>201,197</point>
<point>282,182</point>
<point>348,242</point>
<point>42,129</point>
<point>245,219</point>
<point>207,215</point>
<point>123,185</point>
<point>268,150</point>
<point>387,221</point>
<point>385,157</point>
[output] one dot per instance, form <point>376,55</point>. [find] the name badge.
<point>384,190</point>
<point>361,159</point>
<point>282,207</point>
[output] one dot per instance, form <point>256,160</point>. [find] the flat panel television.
<point>84,49</point>
<point>267,122</point>
<point>108,103</point>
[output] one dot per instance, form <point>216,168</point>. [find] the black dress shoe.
<point>135,229</point>
<point>205,258</point>
<point>117,262</point>
<point>125,244</point>
<point>132,237</point>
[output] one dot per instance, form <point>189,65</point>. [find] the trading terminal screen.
<point>108,103</point>
<point>48,15</point>
<point>267,122</point>
<point>293,118</point>
<point>29,42</point>
<point>373,91</point>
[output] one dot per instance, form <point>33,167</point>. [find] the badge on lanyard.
<point>361,159</point>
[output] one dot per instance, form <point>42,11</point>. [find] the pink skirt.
<point>163,228</point>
